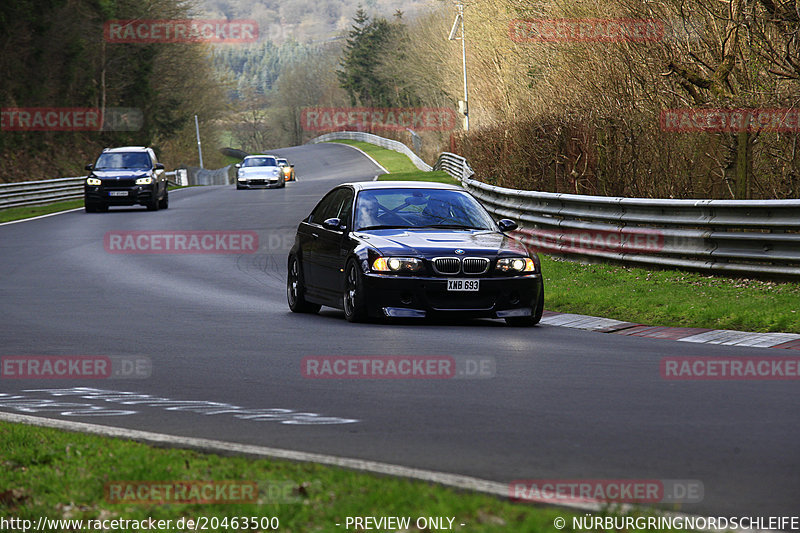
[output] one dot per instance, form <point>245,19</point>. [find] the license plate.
<point>463,285</point>
<point>118,193</point>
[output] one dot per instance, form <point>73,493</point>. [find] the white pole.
<point>199,148</point>
<point>464,64</point>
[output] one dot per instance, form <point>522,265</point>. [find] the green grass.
<point>671,298</point>
<point>58,474</point>
<point>18,213</point>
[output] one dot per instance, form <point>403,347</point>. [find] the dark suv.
<point>129,175</point>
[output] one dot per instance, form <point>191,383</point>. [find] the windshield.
<point>419,208</point>
<point>115,160</point>
<point>260,162</point>
<point>283,162</point>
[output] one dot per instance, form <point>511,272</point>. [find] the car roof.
<point>260,155</point>
<point>370,185</point>
<point>126,149</point>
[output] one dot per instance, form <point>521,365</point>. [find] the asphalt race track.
<point>564,403</point>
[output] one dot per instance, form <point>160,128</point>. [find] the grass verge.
<point>19,213</point>
<point>63,475</point>
<point>671,298</point>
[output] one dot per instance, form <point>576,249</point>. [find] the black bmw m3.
<point>411,249</point>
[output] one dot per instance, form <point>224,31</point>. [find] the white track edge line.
<point>40,216</point>
<point>457,481</point>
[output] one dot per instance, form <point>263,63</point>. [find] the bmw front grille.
<point>449,266</point>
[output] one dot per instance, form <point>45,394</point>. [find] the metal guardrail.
<point>42,192</point>
<point>453,164</point>
<point>397,146</point>
<point>729,236</point>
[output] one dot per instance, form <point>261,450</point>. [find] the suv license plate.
<point>118,193</point>
<point>471,285</point>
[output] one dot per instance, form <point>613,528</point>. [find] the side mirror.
<point>332,224</point>
<point>507,225</point>
<point>159,166</point>
<point>89,167</point>
<point>238,165</point>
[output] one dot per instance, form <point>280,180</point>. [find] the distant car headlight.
<point>93,181</point>
<point>242,178</point>
<point>516,264</point>
<point>144,181</point>
<point>397,264</point>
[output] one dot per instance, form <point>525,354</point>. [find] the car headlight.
<point>397,264</point>
<point>93,181</point>
<point>144,181</point>
<point>516,264</point>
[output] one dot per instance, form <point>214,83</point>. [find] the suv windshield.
<point>114,160</point>
<point>260,162</point>
<point>419,208</point>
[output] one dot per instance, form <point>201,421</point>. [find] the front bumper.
<point>260,183</point>
<point>405,296</point>
<point>118,195</point>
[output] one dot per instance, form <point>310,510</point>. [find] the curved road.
<point>564,404</point>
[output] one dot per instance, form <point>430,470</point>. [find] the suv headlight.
<point>516,264</point>
<point>144,181</point>
<point>397,264</point>
<point>93,181</point>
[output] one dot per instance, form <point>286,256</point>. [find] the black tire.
<point>164,203</point>
<point>295,289</point>
<point>152,205</point>
<point>528,321</point>
<point>239,187</point>
<point>89,208</point>
<point>353,296</point>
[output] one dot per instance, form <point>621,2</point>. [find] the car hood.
<point>433,243</point>
<point>121,173</point>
